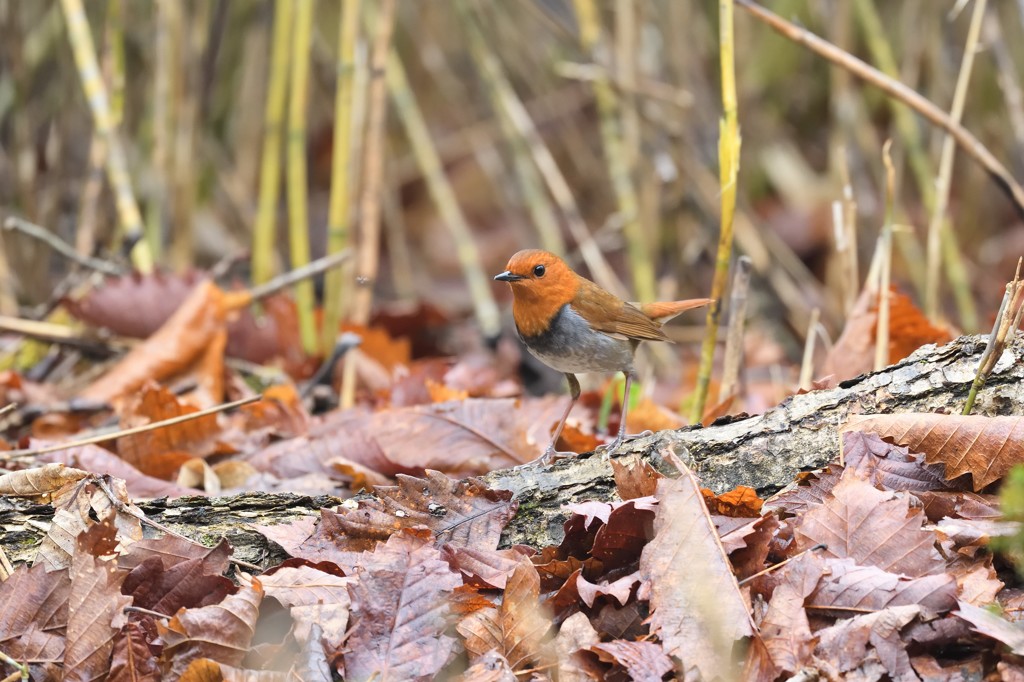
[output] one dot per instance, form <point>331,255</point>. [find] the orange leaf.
<point>176,346</point>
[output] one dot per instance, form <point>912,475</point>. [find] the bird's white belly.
<point>573,347</point>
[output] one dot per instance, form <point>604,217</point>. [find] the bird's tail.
<point>664,311</point>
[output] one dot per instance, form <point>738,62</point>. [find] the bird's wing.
<point>606,313</point>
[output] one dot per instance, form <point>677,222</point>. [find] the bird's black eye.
<point>538,271</point>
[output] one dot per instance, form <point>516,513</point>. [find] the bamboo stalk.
<point>509,107</point>
<point>298,209</point>
<point>441,192</point>
<point>807,363</point>
<point>938,225</point>
<point>885,262</point>
<point>371,170</point>
<point>640,260</point>
<point>729,162</point>
<point>103,118</point>
<point>368,255</point>
<point>264,230</point>
<point>340,208</point>
<point>167,13</point>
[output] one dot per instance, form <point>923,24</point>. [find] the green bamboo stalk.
<point>511,109</point>
<point>340,208</point>
<point>910,136</point>
<point>167,13</point>
<point>729,165</point>
<point>938,224</point>
<point>298,210</point>
<point>640,260</point>
<point>270,161</point>
<point>99,104</point>
<point>423,148</point>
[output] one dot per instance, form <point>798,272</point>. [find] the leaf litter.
<point>882,566</point>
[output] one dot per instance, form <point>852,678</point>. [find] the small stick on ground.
<point>737,321</point>
<point>1007,322</point>
<point>885,271</point>
<point>112,435</point>
<point>807,365</point>
<point>29,229</point>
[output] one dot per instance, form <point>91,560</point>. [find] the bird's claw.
<point>608,448</point>
<point>551,456</point>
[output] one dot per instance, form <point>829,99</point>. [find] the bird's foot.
<point>551,456</point>
<point>609,448</point>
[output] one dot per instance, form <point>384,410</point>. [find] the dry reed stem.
<point>621,173</point>
<point>265,227</point>
<point>409,112</point>
<point>938,223</point>
<point>99,104</point>
<point>513,109</point>
<point>885,267</point>
<point>733,361</point>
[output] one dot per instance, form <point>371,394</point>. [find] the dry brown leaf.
<point>97,460</point>
<point>95,605</point>
<point>466,437</point>
<point>491,667</point>
<point>197,473</point>
<point>155,403</point>
<point>854,351</point>
<point>197,325</point>
<point>785,629</point>
<point>34,613</point>
<point>741,501</point>
<point>483,567</point>
<point>634,477</point>
<point>400,613</point>
<point>873,527</point>
<point>575,633</point>
<point>698,611</point>
<point>461,513</point>
<point>848,586</point>
<point>517,628</point>
<point>313,597</point>
<point>867,646</point>
<point>993,625</point>
<point>132,659</point>
<point>222,632</point>
<point>206,670</point>
<point>984,447</point>
<point>889,466</point>
<point>642,661</point>
<point>39,481</point>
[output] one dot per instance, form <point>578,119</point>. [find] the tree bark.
<point>764,452</point>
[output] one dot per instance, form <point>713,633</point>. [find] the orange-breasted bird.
<point>574,326</point>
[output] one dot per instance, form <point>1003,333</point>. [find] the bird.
<point>575,327</point>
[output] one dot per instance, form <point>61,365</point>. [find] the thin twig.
<point>971,145</point>
<point>782,563</point>
<point>103,437</point>
<point>643,87</point>
<point>885,255</point>
<point>1007,320</point>
<point>15,223</point>
<point>807,365</point>
<point>21,671</point>
<point>9,407</point>
<point>311,269</point>
<point>938,220</point>
<point>728,172</point>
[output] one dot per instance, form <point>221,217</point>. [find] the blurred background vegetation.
<point>588,127</point>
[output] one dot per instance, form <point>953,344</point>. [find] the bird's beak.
<point>508,277</point>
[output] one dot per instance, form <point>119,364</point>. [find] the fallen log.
<point>764,452</point>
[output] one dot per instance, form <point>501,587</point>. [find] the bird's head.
<point>541,284</point>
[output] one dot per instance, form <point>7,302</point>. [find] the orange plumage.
<point>574,326</point>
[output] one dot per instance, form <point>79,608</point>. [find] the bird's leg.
<point>622,420</point>
<point>551,455</point>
